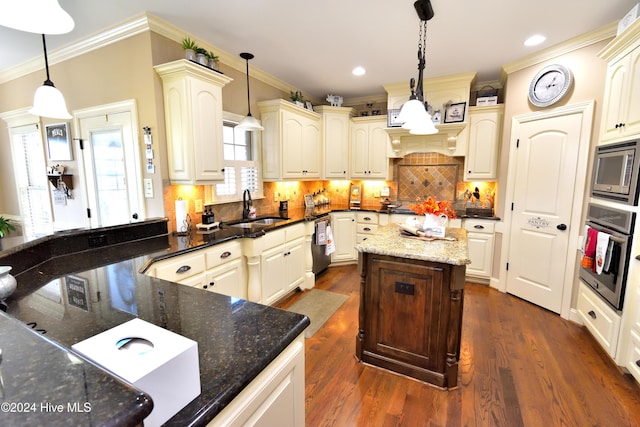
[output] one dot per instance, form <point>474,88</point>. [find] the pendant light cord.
<point>47,82</point>
<point>248,96</point>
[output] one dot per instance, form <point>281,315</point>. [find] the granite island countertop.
<point>389,240</point>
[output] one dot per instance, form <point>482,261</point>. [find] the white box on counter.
<point>161,363</point>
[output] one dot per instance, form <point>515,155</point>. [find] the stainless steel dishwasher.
<point>319,245</point>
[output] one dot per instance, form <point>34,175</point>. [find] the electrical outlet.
<point>198,205</point>
<point>275,196</point>
<point>148,188</point>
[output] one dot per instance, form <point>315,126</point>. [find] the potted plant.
<point>297,98</point>
<point>189,47</point>
<point>5,227</point>
<point>201,56</point>
<point>213,60</point>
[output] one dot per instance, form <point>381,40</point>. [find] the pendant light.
<point>414,114</point>
<point>48,101</point>
<point>249,122</point>
<point>35,16</point>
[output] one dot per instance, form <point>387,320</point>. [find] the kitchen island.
<point>411,298</point>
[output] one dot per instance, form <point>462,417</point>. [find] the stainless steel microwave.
<point>615,172</point>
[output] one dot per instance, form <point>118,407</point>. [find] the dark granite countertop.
<point>74,296</point>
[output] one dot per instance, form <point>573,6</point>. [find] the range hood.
<point>450,140</point>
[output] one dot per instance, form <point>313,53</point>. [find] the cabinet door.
<point>228,279</point>
<point>480,253</point>
<point>311,148</point>
<point>273,271</point>
<point>621,105</point>
<point>336,146</point>
<point>294,257</point>
<point>292,144</point>
<point>481,160</point>
<point>359,150</point>
<point>415,297</point>
<point>206,109</point>
<point>377,157</point>
<point>343,227</point>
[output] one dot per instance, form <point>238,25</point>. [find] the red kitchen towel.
<point>590,248</point>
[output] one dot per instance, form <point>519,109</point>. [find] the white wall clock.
<point>550,85</point>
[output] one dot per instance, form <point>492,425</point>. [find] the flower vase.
<point>7,282</point>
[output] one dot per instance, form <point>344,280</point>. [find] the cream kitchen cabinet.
<point>621,105</point>
<point>601,320</point>
<point>483,146</point>
<point>369,148</point>
<point>282,262</point>
<point>343,227</point>
<point>193,119</point>
<point>336,126</point>
<point>480,242</point>
<point>291,141</point>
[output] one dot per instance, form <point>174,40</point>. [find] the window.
<point>240,165</point>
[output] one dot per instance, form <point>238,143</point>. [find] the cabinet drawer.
<point>180,267</point>
<point>479,225</point>
<point>366,228</point>
<point>295,231</point>
<point>219,254</point>
<point>367,217</point>
<point>601,320</point>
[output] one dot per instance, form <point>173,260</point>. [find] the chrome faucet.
<point>246,204</point>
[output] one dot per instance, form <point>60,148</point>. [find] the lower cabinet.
<point>343,227</point>
<point>480,239</point>
<point>366,225</point>
<point>600,319</point>
<point>274,398</point>
<point>282,263</point>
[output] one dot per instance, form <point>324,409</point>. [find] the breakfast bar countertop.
<point>389,240</point>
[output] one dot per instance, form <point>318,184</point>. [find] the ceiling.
<point>314,45</point>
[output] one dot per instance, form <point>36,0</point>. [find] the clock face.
<point>550,85</point>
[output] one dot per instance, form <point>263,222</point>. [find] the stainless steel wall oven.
<point>618,224</point>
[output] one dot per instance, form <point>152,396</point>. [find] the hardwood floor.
<point>520,365</point>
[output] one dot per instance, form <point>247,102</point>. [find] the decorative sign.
<point>77,288</point>
<point>538,222</point>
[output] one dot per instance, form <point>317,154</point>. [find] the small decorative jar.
<point>7,282</point>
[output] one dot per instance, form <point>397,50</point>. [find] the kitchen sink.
<point>258,223</point>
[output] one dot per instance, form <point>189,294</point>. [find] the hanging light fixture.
<point>414,114</point>
<point>249,122</point>
<point>36,16</point>
<point>48,101</point>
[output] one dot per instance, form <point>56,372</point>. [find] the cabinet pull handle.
<point>183,269</point>
<point>592,314</point>
<point>638,362</point>
<point>225,254</point>
<point>366,218</point>
<point>366,229</point>
<point>479,227</point>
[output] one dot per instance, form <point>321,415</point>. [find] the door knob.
<point>135,216</point>
<point>561,227</point>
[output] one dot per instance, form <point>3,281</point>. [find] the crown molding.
<point>128,28</point>
<point>579,42</point>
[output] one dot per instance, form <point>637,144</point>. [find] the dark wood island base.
<point>410,316</point>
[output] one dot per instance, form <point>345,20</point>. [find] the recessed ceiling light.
<point>359,71</point>
<point>534,40</point>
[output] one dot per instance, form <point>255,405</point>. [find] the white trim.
<point>586,109</point>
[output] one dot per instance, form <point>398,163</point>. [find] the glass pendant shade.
<point>49,102</point>
<point>36,16</point>
<point>249,123</point>
<point>416,119</point>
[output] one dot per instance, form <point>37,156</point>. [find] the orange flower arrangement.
<point>432,206</point>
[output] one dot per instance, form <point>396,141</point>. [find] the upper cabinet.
<point>336,127</point>
<point>193,120</point>
<point>621,105</point>
<point>369,148</point>
<point>291,141</point>
<point>483,146</point>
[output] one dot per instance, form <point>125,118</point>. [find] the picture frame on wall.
<point>455,113</point>
<point>58,142</point>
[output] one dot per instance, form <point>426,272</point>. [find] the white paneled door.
<point>112,168</point>
<point>545,164</point>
